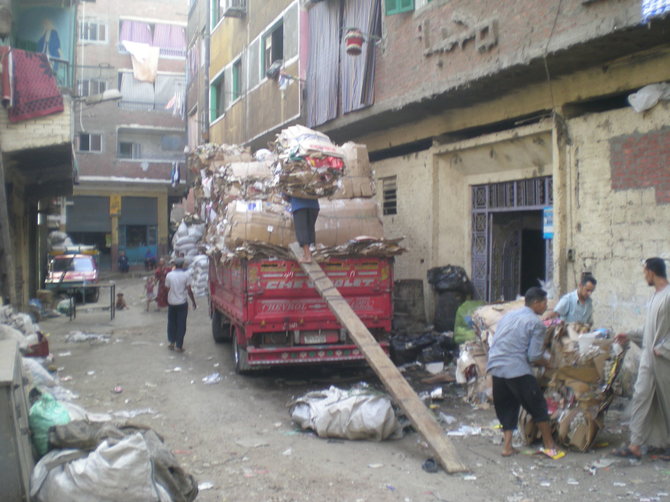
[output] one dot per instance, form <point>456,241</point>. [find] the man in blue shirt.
<point>577,306</point>
<point>305,212</point>
<point>517,344</point>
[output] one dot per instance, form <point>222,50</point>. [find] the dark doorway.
<point>532,259</point>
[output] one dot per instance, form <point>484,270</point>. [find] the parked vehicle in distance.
<point>275,317</point>
<point>71,270</point>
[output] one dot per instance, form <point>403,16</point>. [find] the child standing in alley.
<point>150,290</point>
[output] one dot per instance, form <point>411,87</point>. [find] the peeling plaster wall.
<point>414,220</point>
<point>612,226</point>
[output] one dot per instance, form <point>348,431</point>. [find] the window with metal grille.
<point>90,142</point>
<point>91,87</point>
<point>390,195</point>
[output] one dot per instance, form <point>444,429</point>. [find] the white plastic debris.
<point>212,379</point>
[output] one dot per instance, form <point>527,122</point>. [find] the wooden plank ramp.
<point>422,419</point>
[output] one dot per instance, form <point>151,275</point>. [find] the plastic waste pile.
<point>309,166</point>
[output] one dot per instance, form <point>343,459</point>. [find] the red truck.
<point>274,316</point>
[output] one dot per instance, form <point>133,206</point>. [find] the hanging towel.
<point>36,92</point>
<point>145,60</point>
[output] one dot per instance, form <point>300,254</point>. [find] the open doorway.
<point>509,252</point>
<point>517,253</point>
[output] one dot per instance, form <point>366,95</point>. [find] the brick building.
<point>485,121</point>
<point>130,150</point>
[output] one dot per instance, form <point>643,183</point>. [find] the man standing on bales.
<point>518,344</point>
<point>650,407</point>
<point>178,283</point>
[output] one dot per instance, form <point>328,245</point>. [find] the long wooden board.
<point>388,373</point>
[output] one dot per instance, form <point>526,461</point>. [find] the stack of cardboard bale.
<point>578,387</point>
<point>240,196</point>
<point>352,211</point>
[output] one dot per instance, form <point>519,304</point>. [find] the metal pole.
<point>7,271</point>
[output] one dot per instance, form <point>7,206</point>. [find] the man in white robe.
<point>650,406</point>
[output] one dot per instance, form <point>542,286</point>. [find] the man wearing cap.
<point>178,284</point>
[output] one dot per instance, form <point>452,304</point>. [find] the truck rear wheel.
<point>240,355</point>
<point>220,327</point>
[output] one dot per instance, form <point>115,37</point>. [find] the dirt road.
<point>237,437</point>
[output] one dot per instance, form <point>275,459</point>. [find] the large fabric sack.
<point>354,414</point>
<point>128,463</point>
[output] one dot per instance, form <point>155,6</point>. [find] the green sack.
<point>46,411</point>
<point>463,330</point>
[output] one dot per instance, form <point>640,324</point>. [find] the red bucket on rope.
<point>353,42</point>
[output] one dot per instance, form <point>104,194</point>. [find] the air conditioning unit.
<point>234,8</point>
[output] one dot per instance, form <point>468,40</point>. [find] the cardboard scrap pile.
<point>240,196</point>
<point>578,386</point>
<point>310,165</point>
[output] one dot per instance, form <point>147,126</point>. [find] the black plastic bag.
<point>449,278</point>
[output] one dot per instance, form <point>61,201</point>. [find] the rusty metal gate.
<point>494,278</point>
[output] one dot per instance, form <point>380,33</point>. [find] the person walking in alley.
<point>650,406</point>
<point>305,212</point>
<point>577,306</point>
<point>178,284</point>
<point>161,272</point>
<point>519,343</point>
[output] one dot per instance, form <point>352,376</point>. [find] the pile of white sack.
<point>199,269</point>
<point>187,238</point>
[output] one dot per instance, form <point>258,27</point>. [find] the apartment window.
<point>237,79</point>
<point>217,11</point>
<point>272,48</point>
<point>398,6</point>
<point>93,31</point>
<point>129,150</point>
<point>217,99</point>
<point>389,196</point>
<point>90,142</point>
<point>91,87</point>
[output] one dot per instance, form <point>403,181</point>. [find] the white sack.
<point>354,414</point>
<point>110,473</point>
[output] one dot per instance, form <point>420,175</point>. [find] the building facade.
<point>501,134</point>
<point>129,126</point>
<point>37,165</point>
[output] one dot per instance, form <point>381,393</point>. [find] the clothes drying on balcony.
<point>29,89</point>
<point>145,60</point>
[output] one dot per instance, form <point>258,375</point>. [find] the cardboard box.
<point>357,180</point>
<point>257,221</point>
<point>356,160</point>
<point>342,220</point>
<point>351,187</point>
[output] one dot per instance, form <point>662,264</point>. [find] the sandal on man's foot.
<point>552,453</point>
<point>171,346</point>
<point>626,452</point>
